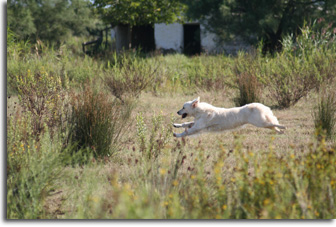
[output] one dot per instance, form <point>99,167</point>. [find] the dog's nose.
<point>178,112</point>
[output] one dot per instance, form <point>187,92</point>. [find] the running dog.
<point>209,118</point>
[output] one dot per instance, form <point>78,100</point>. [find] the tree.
<point>49,20</point>
<point>256,20</point>
<point>139,12</point>
<point>24,26</point>
<point>125,14</point>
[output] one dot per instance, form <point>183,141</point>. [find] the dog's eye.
<point>183,108</point>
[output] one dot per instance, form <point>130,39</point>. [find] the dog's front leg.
<point>178,135</point>
<point>184,125</point>
<point>187,132</point>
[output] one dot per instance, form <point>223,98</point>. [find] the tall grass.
<point>160,134</point>
<point>97,122</point>
<point>148,174</point>
<point>130,78</point>
<point>233,184</point>
<point>325,115</point>
<point>304,64</point>
<point>247,75</point>
<point>42,95</point>
<point>32,168</point>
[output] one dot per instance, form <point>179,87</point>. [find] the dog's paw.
<point>177,125</point>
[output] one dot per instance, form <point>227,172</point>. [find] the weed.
<point>325,114</point>
<point>247,70</point>
<point>290,78</point>
<point>151,146</point>
<point>300,68</point>
<point>249,89</point>
<point>130,79</point>
<point>98,122</point>
<point>151,175</point>
<point>42,95</point>
<point>32,167</point>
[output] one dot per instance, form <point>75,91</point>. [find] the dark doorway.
<point>143,37</point>
<point>192,39</point>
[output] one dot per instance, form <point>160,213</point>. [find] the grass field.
<point>92,138</point>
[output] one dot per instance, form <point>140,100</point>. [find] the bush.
<point>187,183</point>
<point>16,48</point>
<point>245,77</point>
<point>290,79</point>
<point>249,89</point>
<point>98,122</point>
<point>325,115</point>
<point>206,72</point>
<point>32,168</point>
<point>158,138</point>
<point>130,77</point>
<point>302,66</point>
<point>42,95</point>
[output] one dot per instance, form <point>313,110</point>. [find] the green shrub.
<point>206,73</point>
<point>290,78</point>
<point>42,95</point>
<point>32,168</point>
<point>325,115</point>
<point>246,75</point>
<point>160,135</point>
<point>305,64</point>
<point>16,49</point>
<point>184,183</point>
<point>129,78</point>
<point>249,89</point>
<point>312,39</point>
<point>97,122</point>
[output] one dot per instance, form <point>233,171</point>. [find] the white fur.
<point>215,119</point>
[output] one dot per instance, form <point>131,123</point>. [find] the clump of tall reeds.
<point>97,121</point>
<point>325,115</point>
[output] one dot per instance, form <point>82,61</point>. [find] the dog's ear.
<point>195,102</point>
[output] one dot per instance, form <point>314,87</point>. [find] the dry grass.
<point>298,120</point>
<point>247,173</point>
<point>128,166</point>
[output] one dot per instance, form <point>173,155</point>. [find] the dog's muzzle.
<point>184,115</point>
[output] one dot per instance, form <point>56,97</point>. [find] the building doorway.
<point>143,37</point>
<point>192,39</point>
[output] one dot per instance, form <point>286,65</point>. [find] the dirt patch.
<point>53,205</point>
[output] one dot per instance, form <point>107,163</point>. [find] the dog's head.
<point>188,108</point>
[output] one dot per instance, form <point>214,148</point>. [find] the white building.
<point>189,38</point>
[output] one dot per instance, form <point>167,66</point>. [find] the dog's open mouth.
<point>184,115</point>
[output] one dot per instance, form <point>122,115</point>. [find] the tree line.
<point>253,21</point>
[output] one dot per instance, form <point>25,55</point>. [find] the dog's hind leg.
<point>273,123</point>
<point>276,128</point>
<point>279,126</point>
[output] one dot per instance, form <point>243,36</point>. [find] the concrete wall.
<point>208,41</point>
<point>169,36</point>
